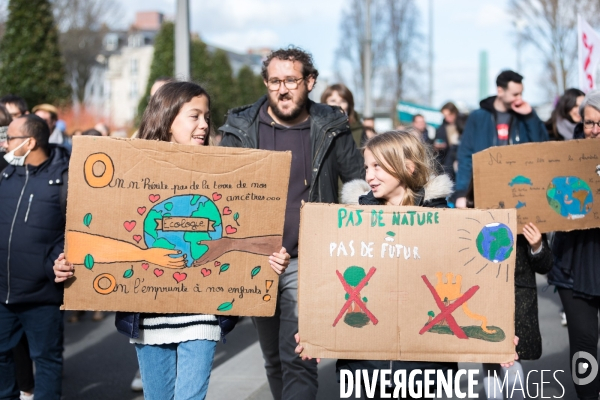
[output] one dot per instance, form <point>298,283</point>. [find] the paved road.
<point>100,363</point>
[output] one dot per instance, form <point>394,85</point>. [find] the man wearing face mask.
<point>32,224</point>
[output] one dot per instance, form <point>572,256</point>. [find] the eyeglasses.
<point>9,138</point>
<point>590,124</point>
<point>290,83</point>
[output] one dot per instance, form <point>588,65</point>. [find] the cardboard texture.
<point>373,281</point>
<point>555,185</point>
<point>166,228</point>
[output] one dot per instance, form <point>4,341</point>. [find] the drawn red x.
<point>446,312</point>
<point>354,296</point>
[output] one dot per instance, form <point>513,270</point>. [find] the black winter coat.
<point>333,151</point>
<point>527,326</point>
<point>32,230</point>
<point>577,256</point>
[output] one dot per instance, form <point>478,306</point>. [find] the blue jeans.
<point>176,370</point>
<point>43,326</point>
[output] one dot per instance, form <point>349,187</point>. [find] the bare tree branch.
<point>393,47</point>
<point>551,27</point>
<point>82,25</point>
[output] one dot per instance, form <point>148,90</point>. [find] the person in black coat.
<point>576,273</point>
<point>447,138</point>
<point>533,255</point>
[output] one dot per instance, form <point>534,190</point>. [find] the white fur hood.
<point>440,186</point>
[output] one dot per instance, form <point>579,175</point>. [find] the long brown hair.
<point>164,107</point>
<point>345,94</point>
<point>393,149</point>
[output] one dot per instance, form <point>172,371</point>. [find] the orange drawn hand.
<point>163,258</point>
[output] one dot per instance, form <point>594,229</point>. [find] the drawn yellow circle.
<point>110,288</point>
<point>106,177</point>
<point>266,297</point>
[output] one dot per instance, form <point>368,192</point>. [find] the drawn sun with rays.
<point>494,242</point>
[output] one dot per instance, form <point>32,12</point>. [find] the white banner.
<point>588,43</point>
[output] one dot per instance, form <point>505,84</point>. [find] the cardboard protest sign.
<point>160,227</point>
<point>555,185</point>
<point>407,283</point>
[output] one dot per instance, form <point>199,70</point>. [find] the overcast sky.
<point>462,28</point>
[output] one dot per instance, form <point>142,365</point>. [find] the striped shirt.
<point>177,328</point>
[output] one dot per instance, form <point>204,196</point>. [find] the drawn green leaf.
<point>226,306</point>
<point>128,274</point>
<point>390,233</point>
<point>255,271</point>
<point>87,220</point>
<point>224,268</point>
<point>88,261</point>
<point>236,216</point>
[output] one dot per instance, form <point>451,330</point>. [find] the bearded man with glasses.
<point>323,151</point>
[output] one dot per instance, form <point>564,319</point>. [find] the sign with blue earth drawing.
<point>555,185</point>
<point>407,283</point>
<point>164,228</point>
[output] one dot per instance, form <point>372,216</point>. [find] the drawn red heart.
<point>216,196</point>
<point>205,272</point>
<point>158,272</point>
<point>154,198</point>
<point>145,266</point>
<point>137,238</point>
<point>141,210</point>
<point>230,229</point>
<point>226,211</point>
<point>217,263</point>
<point>179,276</point>
<point>129,225</point>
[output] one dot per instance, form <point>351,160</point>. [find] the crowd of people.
<point>330,145</point>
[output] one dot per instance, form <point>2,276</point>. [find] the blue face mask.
<point>18,161</point>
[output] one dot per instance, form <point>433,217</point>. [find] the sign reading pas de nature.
<point>160,227</point>
<point>555,185</point>
<point>407,283</point>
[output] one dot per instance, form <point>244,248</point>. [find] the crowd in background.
<point>572,258</point>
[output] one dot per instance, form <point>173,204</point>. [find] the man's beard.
<point>295,111</point>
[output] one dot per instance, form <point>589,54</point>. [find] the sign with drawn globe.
<point>374,283</point>
<point>182,223</point>
<point>166,228</point>
<point>554,185</point>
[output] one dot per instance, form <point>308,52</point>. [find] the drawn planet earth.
<point>187,242</point>
<point>353,276</point>
<point>495,242</point>
<point>570,197</point>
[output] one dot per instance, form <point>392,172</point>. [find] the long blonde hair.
<point>393,149</point>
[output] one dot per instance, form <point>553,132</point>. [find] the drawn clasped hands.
<point>173,259</point>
